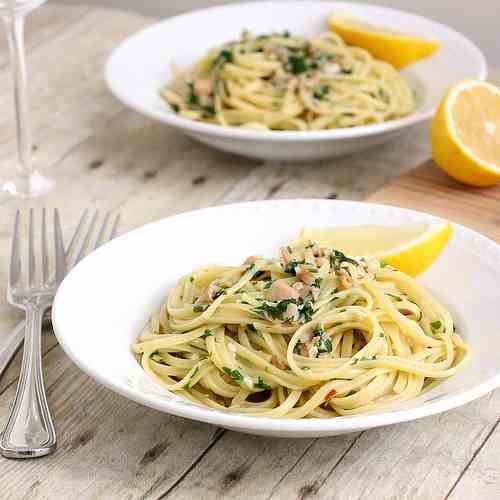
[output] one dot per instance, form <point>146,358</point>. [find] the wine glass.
<point>28,182</point>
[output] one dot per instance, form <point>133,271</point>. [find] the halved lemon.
<point>465,133</point>
<point>411,248</point>
<point>387,45</point>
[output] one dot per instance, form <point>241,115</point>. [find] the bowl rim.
<point>281,426</point>
<point>274,135</point>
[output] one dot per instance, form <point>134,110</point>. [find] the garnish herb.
<point>155,356</point>
<point>321,92</point>
<point>395,297</point>
<point>262,385</point>
<point>198,308</point>
<point>317,283</point>
<point>290,267</point>
<point>223,57</point>
<point>436,325</point>
<point>251,327</point>
<point>234,374</point>
<point>318,330</point>
<point>191,279</point>
<point>381,334</point>
<point>337,257</point>
<point>325,344</point>
<point>192,98</point>
<point>274,311</point>
<point>296,64</point>
<point>289,250</point>
<point>207,333</point>
<point>189,382</point>
<point>306,312</point>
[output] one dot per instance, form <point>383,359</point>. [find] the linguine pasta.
<point>280,82</point>
<point>311,334</point>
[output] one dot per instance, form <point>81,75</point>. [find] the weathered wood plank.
<point>105,156</point>
<point>481,480</point>
<point>108,446</point>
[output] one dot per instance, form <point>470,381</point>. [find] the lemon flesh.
<point>387,45</point>
<point>411,248</point>
<point>465,133</point>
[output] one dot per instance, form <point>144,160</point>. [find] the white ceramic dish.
<point>106,300</point>
<point>142,64</point>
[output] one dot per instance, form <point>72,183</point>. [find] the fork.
<point>15,339</point>
<point>30,432</point>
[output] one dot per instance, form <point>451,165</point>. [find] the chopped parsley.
<point>346,71</point>
<point>337,257</point>
<point>325,345</point>
<point>290,268</point>
<point>383,263</point>
<point>155,356</point>
<point>306,312</point>
<point>198,308</point>
<point>381,334</point>
<point>262,385</point>
<point>192,98</point>
<point>207,333</point>
<point>223,57</point>
<point>208,110</point>
<point>188,384</point>
<point>289,250</point>
<point>297,64</point>
<point>321,92</point>
<point>394,297</point>
<point>191,279</point>
<point>317,283</point>
<point>274,311</point>
<point>234,374</point>
<point>318,330</point>
<point>251,328</point>
<point>436,325</point>
<point>268,284</point>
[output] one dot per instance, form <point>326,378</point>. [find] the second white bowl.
<point>142,64</point>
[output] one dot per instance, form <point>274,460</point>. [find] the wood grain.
<point>428,189</point>
<point>105,156</point>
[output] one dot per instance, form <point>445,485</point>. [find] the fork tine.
<point>100,237</point>
<point>114,229</point>
<point>76,234</point>
<point>31,249</point>
<point>15,258</point>
<point>86,240</point>
<point>59,248</point>
<point>45,248</point>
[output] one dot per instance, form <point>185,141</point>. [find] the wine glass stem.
<point>14,24</point>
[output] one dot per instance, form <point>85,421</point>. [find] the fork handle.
<point>29,432</point>
<point>14,341</point>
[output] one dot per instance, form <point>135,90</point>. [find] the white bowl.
<point>105,302</point>
<point>142,64</point>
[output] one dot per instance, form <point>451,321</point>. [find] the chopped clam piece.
<point>304,275</point>
<point>203,86</point>
<point>280,290</point>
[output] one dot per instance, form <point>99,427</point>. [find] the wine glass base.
<point>28,187</point>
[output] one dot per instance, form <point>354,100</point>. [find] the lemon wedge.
<point>411,248</point>
<point>465,133</point>
<point>393,47</point>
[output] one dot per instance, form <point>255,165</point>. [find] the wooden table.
<point>103,155</point>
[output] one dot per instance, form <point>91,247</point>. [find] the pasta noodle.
<point>311,334</point>
<point>280,82</point>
